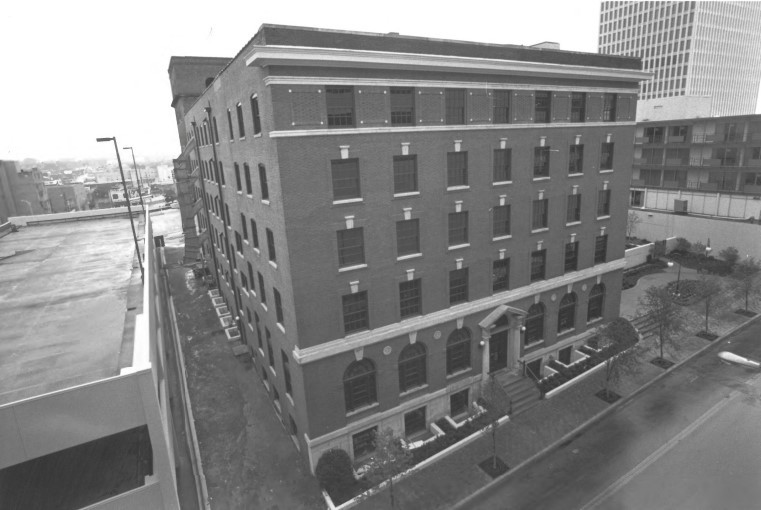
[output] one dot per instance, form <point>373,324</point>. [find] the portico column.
<point>515,341</point>
<point>485,337</point>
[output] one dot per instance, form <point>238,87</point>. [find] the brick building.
<point>394,218</point>
<point>67,197</point>
<point>22,192</point>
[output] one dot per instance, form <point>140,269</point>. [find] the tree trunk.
<point>391,490</point>
<point>660,337</point>
<point>708,300</point>
<point>494,445</point>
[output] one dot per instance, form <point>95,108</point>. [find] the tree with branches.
<point>632,220</point>
<point>619,341</point>
<point>666,315</point>
<point>497,404</point>
<point>710,289</point>
<point>390,459</point>
<point>746,273</point>
<point>730,254</point>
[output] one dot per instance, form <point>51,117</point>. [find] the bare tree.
<point>746,273</point>
<point>619,338</point>
<point>710,289</point>
<point>632,220</point>
<point>497,404</point>
<point>667,316</point>
<point>390,459</point>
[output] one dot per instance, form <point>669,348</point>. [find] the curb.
<point>465,503</point>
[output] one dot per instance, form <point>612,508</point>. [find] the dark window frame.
<point>402,101</point>
<point>351,247</point>
<point>500,275</point>
<point>538,270</point>
<point>345,178</point>
<point>410,298</point>
<point>356,311</point>
<point>360,385</point>
<point>458,285</point>
<point>458,351</point>
<point>340,106</point>
<point>412,367</point>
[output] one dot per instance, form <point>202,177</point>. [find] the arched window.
<point>359,385</point>
<point>412,367</point>
<point>567,312</point>
<point>596,301</point>
<point>458,350</point>
<point>534,324</point>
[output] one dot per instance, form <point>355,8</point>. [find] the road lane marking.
<point>657,454</point>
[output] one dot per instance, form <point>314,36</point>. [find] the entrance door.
<point>498,351</point>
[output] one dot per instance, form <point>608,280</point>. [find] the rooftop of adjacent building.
<point>66,290</point>
<point>702,120</point>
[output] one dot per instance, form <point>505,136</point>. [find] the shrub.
<point>334,471</point>
<point>682,245</point>
<point>730,255</point>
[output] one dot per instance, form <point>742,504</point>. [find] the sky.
<point>76,70</point>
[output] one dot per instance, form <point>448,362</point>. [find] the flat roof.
<point>64,290</point>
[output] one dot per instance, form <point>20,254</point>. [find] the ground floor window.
<point>363,442</point>
<point>564,355</point>
<point>414,422</point>
<point>458,403</point>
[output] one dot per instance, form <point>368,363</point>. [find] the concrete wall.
<point>72,216</point>
<point>638,255</point>
<point>702,202</point>
<point>745,237</point>
<point>678,107</point>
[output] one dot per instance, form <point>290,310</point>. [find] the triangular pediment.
<point>498,312</point>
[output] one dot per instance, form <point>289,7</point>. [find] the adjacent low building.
<point>22,192</point>
<point>67,197</point>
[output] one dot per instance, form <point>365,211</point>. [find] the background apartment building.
<point>22,192</point>
<point>696,50</point>
<point>393,218</point>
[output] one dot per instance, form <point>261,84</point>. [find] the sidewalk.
<point>457,476</point>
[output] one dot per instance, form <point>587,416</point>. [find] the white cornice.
<point>457,127</point>
<point>264,56</point>
<point>364,338</point>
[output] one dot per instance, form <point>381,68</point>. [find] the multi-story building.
<point>22,192</point>
<point>709,166</point>
<point>67,197</point>
<point>693,49</point>
<point>394,218</point>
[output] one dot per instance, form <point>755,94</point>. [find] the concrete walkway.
<point>630,297</point>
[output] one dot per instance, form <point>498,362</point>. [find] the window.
<point>241,127</point>
<point>278,307</point>
<point>271,245</point>
<point>410,298</point>
<point>567,312</point>
<point>345,174</point>
<point>501,107</point>
<point>574,209</point>
<point>606,156</point>
<point>405,174</point>
<point>538,263</point>
<point>595,304</point>
<point>654,134</point>
<point>501,221</point>
<point>258,331</point>
<point>458,351</point>
<point>571,256</point>
<point>458,228</point>
<point>412,367</point>
<point>214,129</point>
<point>576,159</point>
<point>359,385</point>
<point>540,214</point>
<point>363,442</point>
<point>254,234</point>
<point>601,248</point>
<point>578,107</point>
<point>534,324</point>
<point>500,275</point>
<point>458,403</point>
<point>541,161</point>
<point>407,237</point>
<point>502,163</point>
<point>221,176</point>
<point>244,227</point>
<point>351,247</point>
<point>414,422</point>
<point>270,355</point>
<point>237,177</point>
<point>355,311</point>
<point>457,169</point>
<point>294,430</point>
<point>402,106</point>
<point>238,243</point>
<point>247,176</point>
<point>262,290</point>
<point>455,106</point>
<point>286,373</point>
<point>255,115</point>
<point>251,276</point>
<point>564,355</point>
<point>263,182</point>
<point>458,286</point>
<point>340,102</point>
<point>542,106</point>
<point>603,203</point>
<point>609,108</point>
<point>227,214</point>
<point>230,124</point>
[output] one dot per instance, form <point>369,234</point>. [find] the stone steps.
<point>522,392</point>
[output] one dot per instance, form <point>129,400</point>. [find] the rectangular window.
<point>407,237</point>
<point>238,243</point>
<point>270,352</point>
<point>263,182</point>
<point>363,442</point>
<point>247,177</point>
<point>606,156</point>
<point>351,247</point>
<point>501,107</point>
<point>601,248</point>
<point>241,127</point>
<point>230,124</point>
<point>458,403</point>
<point>271,245</point>
<point>538,264</point>
<point>578,106</point>
<point>414,422</point>
<point>405,174</point>
<point>609,108</point>
<point>244,225</point>
<point>262,290</point>
<point>355,311</point>
<point>345,174</point>
<point>255,115</point>
<point>571,256</point>
<point>457,169</point>
<point>574,209</point>
<point>340,102</point>
<point>455,106</point>
<point>458,228</point>
<point>542,106</point>
<point>540,214</point>
<point>603,203</point>
<point>501,221</point>
<point>287,375</point>
<point>238,184</point>
<point>502,165</point>
<point>576,159</point>
<point>278,306</point>
<point>254,234</point>
<point>251,276</point>
<point>411,298</point>
<point>402,106</point>
<point>500,275</point>
<point>541,161</point>
<point>458,286</point>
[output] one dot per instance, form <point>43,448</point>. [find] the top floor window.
<point>255,115</point>
<point>340,101</point>
<point>230,124</point>
<point>455,106</point>
<point>402,106</point>
<point>578,106</point>
<point>542,106</point>
<point>241,126</point>
<point>501,106</point>
<point>609,108</point>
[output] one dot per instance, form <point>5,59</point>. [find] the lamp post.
<point>129,208</point>
<point>137,175</point>
<point>678,274</point>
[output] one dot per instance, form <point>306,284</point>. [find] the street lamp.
<point>126,195</point>
<point>137,175</point>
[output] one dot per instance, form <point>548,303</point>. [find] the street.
<point>690,441</point>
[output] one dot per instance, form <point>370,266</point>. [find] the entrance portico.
<point>501,340</point>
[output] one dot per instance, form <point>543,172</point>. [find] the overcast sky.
<point>76,70</point>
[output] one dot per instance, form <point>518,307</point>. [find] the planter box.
<point>232,334</point>
<point>222,311</point>
<point>214,293</point>
<point>227,321</point>
<point>573,381</point>
<point>217,301</point>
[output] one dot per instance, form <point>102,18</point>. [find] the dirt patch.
<point>608,396</point>
<point>489,468</point>
<point>662,363</point>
